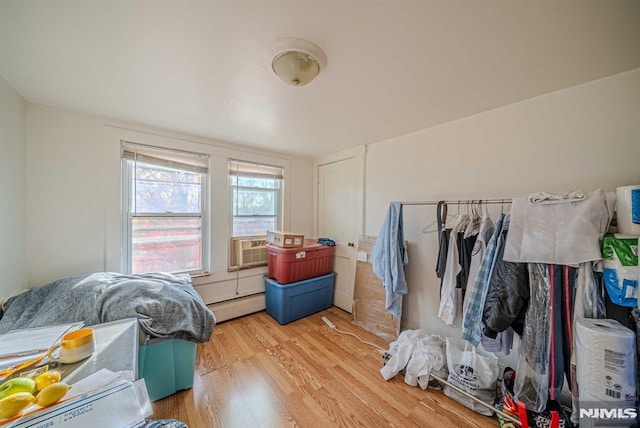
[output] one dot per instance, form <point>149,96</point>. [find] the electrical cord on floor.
<point>333,327</point>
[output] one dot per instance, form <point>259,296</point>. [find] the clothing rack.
<point>506,416</point>
<point>459,202</point>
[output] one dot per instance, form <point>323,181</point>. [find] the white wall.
<point>74,197</point>
<point>13,198</point>
<point>585,137</point>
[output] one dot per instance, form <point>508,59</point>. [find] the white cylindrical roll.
<point>628,209</point>
<point>605,361</point>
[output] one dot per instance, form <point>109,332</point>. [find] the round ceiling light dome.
<point>296,61</point>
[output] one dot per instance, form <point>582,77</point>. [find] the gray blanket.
<point>166,305</point>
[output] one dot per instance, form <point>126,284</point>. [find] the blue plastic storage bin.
<point>167,366</point>
<point>289,302</point>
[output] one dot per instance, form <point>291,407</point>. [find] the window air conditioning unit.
<point>251,252</point>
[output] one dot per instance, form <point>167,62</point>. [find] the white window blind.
<point>194,162</point>
<point>255,170</point>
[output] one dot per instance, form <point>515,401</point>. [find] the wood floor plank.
<point>296,362</point>
<point>228,404</point>
<point>245,344</point>
<point>276,375</point>
<point>331,406</point>
<point>320,353</point>
<point>321,340</point>
<point>437,402</point>
<point>263,403</point>
<point>256,372</point>
<point>191,406</point>
<point>428,418</point>
<point>209,357</point>
<point>264,334</point>
<point>222,351</point>
<point>310,413</point>
<point>290,395</point>
<point>375,396</point>
<point>359,410</point>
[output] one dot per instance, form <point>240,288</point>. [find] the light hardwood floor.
<point>255,372</point>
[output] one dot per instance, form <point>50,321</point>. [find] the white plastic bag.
<point>475,372</point>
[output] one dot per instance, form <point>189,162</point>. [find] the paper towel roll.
<point>628,209</point>
<point>605,361</point>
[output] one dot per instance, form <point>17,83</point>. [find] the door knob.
<point>351,244</point>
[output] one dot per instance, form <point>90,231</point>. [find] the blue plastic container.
<point>289,302</point>
<point>167,366</point>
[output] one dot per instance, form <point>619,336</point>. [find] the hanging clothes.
<point>388,257</point>
<point>562,292</point>
<point>465,242</point>
<point>507,293</point>
<point>448,291</point>
<point>484,235</point>
<point>471,324</point>
<point>547,342</point>
<point>443,240</point>
<point>465,254</point>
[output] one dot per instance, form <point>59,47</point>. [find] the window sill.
<point>238,269</point>
<point>200,275</point>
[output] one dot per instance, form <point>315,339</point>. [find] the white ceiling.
<point>394,66</point>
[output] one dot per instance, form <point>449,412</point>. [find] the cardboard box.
<point>285,239</point>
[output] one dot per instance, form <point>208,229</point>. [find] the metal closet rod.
<point>461,201</point>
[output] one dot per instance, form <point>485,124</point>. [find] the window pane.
<point>160,190</point>
<point>166,244</point>
<point>248,226</point>
<point>254,202</point>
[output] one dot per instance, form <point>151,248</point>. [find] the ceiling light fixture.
<point>296,61</point>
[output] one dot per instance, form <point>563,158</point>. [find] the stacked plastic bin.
<point>299,281</point>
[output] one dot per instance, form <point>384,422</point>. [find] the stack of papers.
<point>20,346</point>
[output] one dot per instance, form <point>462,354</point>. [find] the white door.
<point>340,197</point>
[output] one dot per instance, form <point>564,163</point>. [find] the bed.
<point>172,318</point>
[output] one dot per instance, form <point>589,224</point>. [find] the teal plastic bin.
<point>289,302</point>
<point>167,366</point>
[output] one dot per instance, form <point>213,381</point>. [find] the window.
<point>256,198</point>
<point>165,204</point>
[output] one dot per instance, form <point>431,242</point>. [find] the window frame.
<point>279,192</point>
<point>127,177</point>
<point>278,206</point>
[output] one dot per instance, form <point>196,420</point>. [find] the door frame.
<point>359,153</point>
